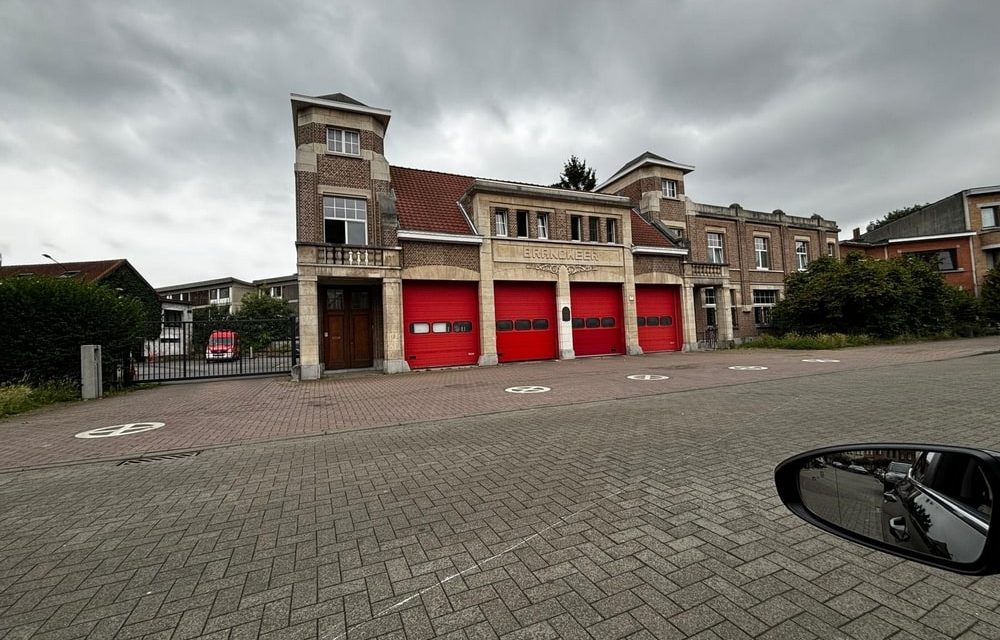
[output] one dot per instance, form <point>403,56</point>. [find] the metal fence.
<point>201,349</point>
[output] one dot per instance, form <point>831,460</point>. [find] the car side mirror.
<point>928,503</point>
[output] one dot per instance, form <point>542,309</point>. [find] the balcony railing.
<point>705,270</point>
<point>346,256</point>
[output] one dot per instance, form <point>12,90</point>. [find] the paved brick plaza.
<point>605,508</point>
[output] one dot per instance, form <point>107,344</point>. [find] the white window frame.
<point>716,252</point>
<point>762,318</point>
<point>611,228</point>
<point>668,188</point>
<point>576,228</point>
<point>802,254</point>
<point>994,212</point>
<point>215,296</point>
<point>710,306</point>
<point>343,141</point>
<point>831,249</point>
<point>353,212</point>
<point>762,252</point>
<point>527,223</point>
<point>274,292</point>
<point>543,225</point>
<point>500,218</point>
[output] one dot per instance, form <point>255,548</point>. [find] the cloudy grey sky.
<point>161,131</point>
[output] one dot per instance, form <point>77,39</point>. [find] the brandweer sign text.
<point>546,253</point>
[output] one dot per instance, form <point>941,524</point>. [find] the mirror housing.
<point>883,496</point>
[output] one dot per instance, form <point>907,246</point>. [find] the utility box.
<point>91,382</point>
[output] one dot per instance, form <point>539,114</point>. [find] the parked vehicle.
<point>938,513</point>
<point>223,345</point>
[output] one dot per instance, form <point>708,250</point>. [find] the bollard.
<point>91,382</point>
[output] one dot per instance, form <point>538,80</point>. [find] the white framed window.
<point>715,253</point>
<point>345,220</point>
<point>500,219</point>
<point>763,301</point>
<point>669,188</point>
<point>802,254</point>
<point>991,216</point>
<point>274,292</point>
<point>831,249</point>
<point>708,296</point>
<point>576,228</point>
<point>343,141</point>
<point>522,224</point>
<point>612,230</point>
<point>762,252</point>
<point>218,296</point>
<point>543,225</point>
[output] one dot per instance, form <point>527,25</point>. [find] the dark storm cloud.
<point>137,129</point>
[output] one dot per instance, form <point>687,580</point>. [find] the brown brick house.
<point>402,268</point>
<point>959,233</point>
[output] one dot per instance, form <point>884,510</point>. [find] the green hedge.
<point>43,322</point>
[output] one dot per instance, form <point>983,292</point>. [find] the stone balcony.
<point>706,271</point>
<point>324,256</point>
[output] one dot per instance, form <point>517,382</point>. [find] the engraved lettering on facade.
<point>548,253</point>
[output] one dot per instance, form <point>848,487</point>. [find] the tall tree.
<point>577,176</point>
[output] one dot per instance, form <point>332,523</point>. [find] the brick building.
<point>402,268</point>
<point>959,233</point>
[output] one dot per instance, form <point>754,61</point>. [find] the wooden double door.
<point>348,328</point>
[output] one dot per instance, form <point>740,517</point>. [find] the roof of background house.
<point>341,97</point>
<point>204,283</point>
<point>428,200</point>
<point>93,271</point>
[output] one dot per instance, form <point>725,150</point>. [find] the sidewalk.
<point>210,414</point>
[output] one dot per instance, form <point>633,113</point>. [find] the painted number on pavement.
<point>119,430</point>
<point>648,376</point>
<point>748,368</point>
<point>527,389</point>
<point>819,360</point>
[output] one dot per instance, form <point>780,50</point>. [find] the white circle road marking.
<point>119,430</point>
<point>748,368</point>
<point>527,389</point>
<point>648,376</point>
<point>819,360</point>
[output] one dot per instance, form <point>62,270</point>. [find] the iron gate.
<point>196,349</point>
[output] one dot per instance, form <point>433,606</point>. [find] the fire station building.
<point>402,268</point>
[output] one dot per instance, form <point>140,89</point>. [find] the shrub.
<point>20,397</point>
<point>45,320</point>
<point>806,342</point>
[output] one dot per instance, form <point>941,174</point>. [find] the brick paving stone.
<point>598,513</point>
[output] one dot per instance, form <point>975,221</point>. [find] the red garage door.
<point>526,321</point>
<point>598,326</point>
<point>440,323</point>
<point>657,308</point>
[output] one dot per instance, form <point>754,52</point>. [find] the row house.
<point>403,268</point>
<point>227,293</point>
<point>960,234</point>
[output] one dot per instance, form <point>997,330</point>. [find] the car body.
<point>856,468</point>
<point>223,344</point>
<point>895,473</point>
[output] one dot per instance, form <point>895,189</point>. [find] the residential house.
<point>224,293</point>
<point>959,233</point>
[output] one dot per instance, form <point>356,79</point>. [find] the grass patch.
<point>20,397</point>
<point>810,343</point>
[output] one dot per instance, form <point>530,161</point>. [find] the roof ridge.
<point>441,173</point>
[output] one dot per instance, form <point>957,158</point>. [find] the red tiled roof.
<point>93,271</point>
<point>427,200</point>
<point>645,235</point>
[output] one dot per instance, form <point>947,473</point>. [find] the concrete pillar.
<point>91,376</point>
<point>564,324</point>
<point>487,307</point>
<point>724,316</point>
<point>688,318</point>
<point>392,326</point>
<point>632,347</point>
<point>310,365</point>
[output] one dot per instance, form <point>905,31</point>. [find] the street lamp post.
<point>61,266</point>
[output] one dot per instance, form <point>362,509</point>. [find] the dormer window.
<point>343,141</point>
<point>669,188</point>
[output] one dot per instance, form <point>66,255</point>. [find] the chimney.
<point>857,233</point>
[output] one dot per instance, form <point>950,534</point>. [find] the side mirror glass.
<point>928,503</point>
